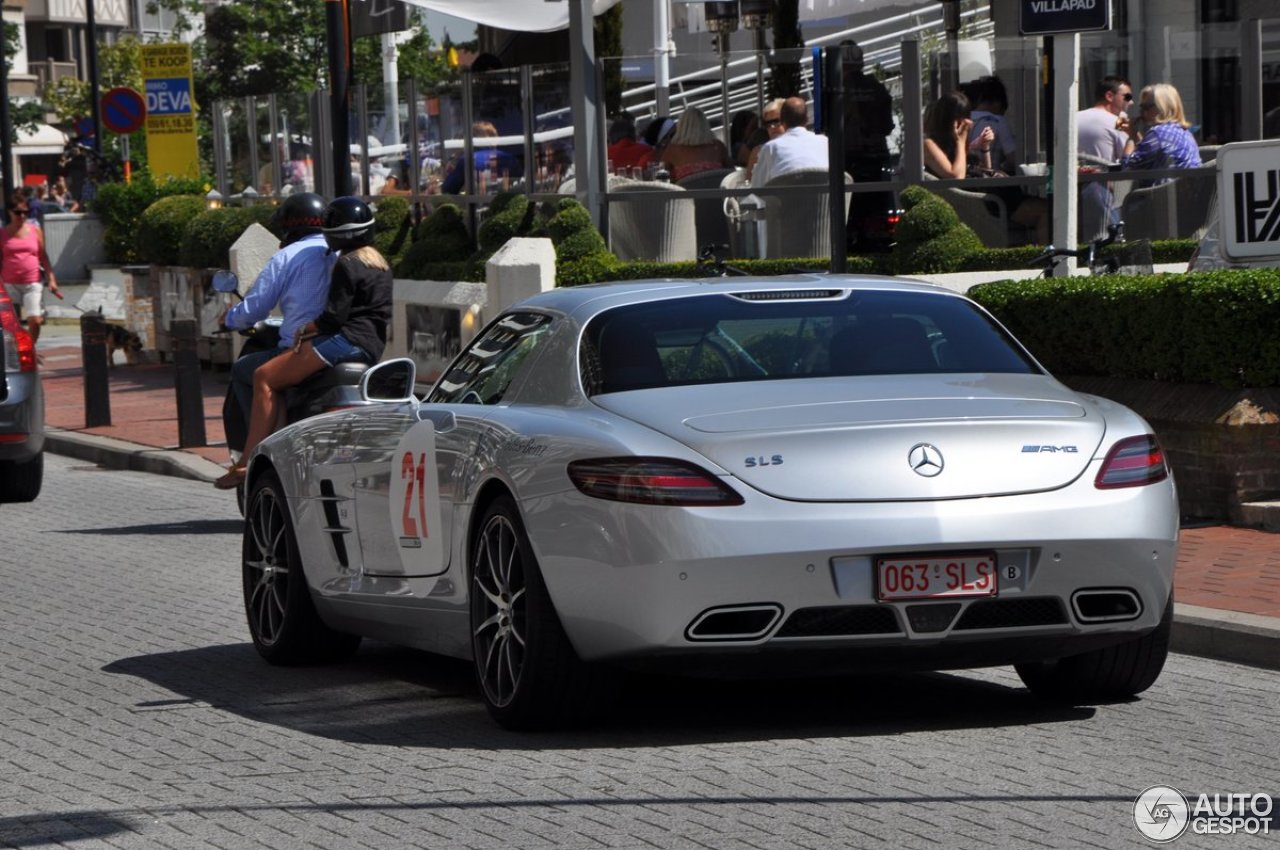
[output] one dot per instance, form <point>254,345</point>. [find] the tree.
<point>23,115</point>
<point>417,58</point>
<point>119,64</point>
<point>260,48</point>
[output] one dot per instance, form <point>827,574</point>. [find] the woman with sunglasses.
<point>24,257</point>
<point>1166,142</point>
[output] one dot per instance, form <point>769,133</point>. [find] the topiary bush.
<point>393,227</point>
<point>120,205</point>
<point>207,242</point>
<point>931,238</point>
<point>162,225</point>
<point>439,240</point>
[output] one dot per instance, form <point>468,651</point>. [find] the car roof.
<point>588,300</point>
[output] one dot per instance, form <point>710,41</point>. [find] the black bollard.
<point>93,353</point>
<point>186,382</point>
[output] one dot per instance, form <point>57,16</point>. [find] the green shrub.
<point>120,205</point>
<point>162,225</point>
<point>915,194</point>
<point>207,242</point>
<point>1215,327</point>
<point>393,227</point>
<point>504,220</point>
<point>926,220</point>
<point>583,243</point>
<point>440,238</point>
<point>589,268</point>
<point>570,217</point>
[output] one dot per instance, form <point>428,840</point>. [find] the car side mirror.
<point>226,281</point>
<point>391,381</point>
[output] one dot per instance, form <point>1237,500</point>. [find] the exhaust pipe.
<point>734,622</point>
<point>1106,605</point>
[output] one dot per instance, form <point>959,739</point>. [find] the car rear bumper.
<point>22,413</point>
<point>630,581</point>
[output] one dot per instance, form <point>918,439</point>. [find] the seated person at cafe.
<point>625,150</point>
<point>990,101</point>
<point>797,148</point>
<point>770,128</point>
<point>950,154</point>
<point>1166,141</point>
<point>487,158</point>
<point>693,148</point>
<point>1101,133</point>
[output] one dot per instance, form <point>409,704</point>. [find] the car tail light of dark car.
<point>651,481</point>
<point>19,350</point>
<point>1132,462</point>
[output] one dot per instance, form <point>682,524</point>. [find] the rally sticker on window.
<point>415,501</point>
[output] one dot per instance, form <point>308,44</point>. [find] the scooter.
<point>334,388</point>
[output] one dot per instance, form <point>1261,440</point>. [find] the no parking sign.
<point>123,110</point>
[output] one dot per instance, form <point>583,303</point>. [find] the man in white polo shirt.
<point>797,148</point>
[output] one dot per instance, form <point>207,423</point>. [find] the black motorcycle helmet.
<point>348,224</point>
<point>300,215</point>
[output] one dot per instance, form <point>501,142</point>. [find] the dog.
<point>120,338</point>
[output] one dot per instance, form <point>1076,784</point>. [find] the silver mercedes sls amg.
<point>810,474</point>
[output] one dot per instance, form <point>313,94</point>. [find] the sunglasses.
<point>773,122</point>
<point>19,211</point>
<point>1128,96</point>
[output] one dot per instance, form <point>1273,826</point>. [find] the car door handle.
<point>444,420</point>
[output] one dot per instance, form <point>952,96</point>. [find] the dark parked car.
<point>21,411</point>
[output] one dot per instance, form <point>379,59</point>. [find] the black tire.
<point>282,618</point>
<point>21,482</point>
<point>1103,675</point>
<point>528,673</point>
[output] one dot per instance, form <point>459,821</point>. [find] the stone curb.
<point>122,454</point>
<point>1226,635</point>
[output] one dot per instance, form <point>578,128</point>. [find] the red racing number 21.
<point>415,476</point>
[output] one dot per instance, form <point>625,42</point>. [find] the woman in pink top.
<point>22,245</point>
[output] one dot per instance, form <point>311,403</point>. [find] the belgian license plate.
<point>936,576</point>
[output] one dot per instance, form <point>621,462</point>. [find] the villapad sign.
<point>1249,200</point>
<point>1050,17</point>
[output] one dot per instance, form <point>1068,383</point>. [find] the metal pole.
<point>723,42</point>
<point>834,112</point>
<point>912,112</point>
<point>662,56</point>
<point>1251,85</point>
<point>220,147</point>
<point>1066,93</point>
<point>278,137</point>
<point>93,353</point>
<point>251,131</point>
<point>584,91</point>
<point>338,30</point>
<point>362,129</point>
<point>526,111</point>
<point>760,48</point>
<point>186,383</point>
<point>6,146</point>
<point>91,53</point>
<point>415,157</point>
<point>391,91</point>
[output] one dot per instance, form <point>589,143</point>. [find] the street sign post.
<point>1055,17</point>
<point>123,110</point>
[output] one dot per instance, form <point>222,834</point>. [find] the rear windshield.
<point>711,339</point>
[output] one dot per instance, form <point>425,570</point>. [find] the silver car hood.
<point>877,438</point>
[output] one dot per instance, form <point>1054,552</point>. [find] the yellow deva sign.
<point>171,118</point>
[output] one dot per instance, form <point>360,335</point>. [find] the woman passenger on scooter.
<point>353,326</point>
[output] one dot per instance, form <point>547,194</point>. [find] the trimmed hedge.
<point>1210,327</point>
<point>120,205</point>
<point>207,241</point>
<point>392,229</point>
<point>162,226</point>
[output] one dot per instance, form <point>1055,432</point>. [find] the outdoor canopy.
<point>518,15</point>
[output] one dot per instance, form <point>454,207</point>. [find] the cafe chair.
<point>710,223</point>
<point>986,214</point>
<point>1175,209</point>
<point>660,228</point>
<point>798,224</point>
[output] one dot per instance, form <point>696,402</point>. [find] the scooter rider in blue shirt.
<point>296,280</point>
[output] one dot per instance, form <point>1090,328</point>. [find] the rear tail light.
<point>19,350</point>
<point>651,481</point>
<point>1132,462</point>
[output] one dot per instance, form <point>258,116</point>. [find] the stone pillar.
<point>519,269</point>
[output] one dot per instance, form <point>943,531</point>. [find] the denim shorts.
<point>336,349</point>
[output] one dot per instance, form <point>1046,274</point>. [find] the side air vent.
<point>333,526</point>
<point>789,294</point>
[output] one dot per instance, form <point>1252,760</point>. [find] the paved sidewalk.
<point>1227,583</point>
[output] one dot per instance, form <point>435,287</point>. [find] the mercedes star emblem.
<point>925,459</point>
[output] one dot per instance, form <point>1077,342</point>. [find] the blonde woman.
<point>352,328</point>
<point>1166,142</point>
<point>692,147</point>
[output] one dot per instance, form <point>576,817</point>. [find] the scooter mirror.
<point>226,281</point>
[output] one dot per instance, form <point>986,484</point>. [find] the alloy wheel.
<point>266,567</point>
<point>498,603</point>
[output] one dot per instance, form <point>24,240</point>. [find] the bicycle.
<point>711,263</point>
<point>1135,257</point>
